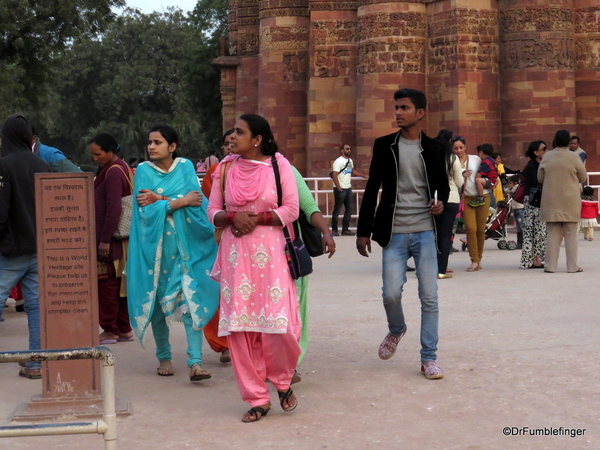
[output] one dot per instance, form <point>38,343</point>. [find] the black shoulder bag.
<point>535,198</point>
<point>298,259</point>
<point>311,235</point>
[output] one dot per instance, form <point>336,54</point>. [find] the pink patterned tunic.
<point>258,293</point>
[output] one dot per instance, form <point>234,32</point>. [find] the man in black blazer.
<point>409,167</point>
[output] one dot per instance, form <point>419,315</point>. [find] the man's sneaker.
<point>348,233</point>
<point>335,233</point>
<point>431,370</point>
<point>389,344</point>
<point>477,201</point>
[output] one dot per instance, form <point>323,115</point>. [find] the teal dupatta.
<point>171,253</point>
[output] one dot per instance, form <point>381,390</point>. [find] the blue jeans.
<point>421,246</point>
<point>343,197</point>
<point>23,268</point>
<point>518,213</point>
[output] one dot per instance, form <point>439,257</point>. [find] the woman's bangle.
<point>328,234</point>
<point>229,218</point>
<point>265,218</point>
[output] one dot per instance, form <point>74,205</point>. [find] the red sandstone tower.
<point>501,71</point>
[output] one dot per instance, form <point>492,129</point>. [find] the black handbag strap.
<point>344,168</point>
<point>286,233</point>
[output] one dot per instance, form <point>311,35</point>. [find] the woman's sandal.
<point>165,370</point>
<point>473,269</point>
<point>284,397</point>
<point>197,373</point>
<point>256,413</point>
<point>296,378</point>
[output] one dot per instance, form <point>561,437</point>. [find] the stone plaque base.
<point>91,407</point>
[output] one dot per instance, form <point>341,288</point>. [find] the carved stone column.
<point>462,82</point>
<point>283,74</point>
<point>332,82</point>
<point>243,34</point>
<point>392,43</point>
<point>227,66</point>
<point>586,17</point>
<point>537,72</point>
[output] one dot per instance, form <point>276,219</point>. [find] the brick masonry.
<point>323,72</point>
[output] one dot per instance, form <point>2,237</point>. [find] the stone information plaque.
<point>68,287</point>
<point>66,244</point>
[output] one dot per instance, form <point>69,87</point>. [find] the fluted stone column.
<point>227,66</point>
<point>244,44</point>
<point>283,74</point>
<point>537,72</point>
<point>462,82</point>
<point>392,45</point>
<point>586,18</point>
<point>332,82</point>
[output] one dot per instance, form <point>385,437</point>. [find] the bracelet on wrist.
<point>328,234</point>
<point>229,218</point>
<point>265,218</point>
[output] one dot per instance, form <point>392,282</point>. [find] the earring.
<point>256,145</point>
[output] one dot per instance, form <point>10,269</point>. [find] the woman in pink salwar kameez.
<point>259,303</point>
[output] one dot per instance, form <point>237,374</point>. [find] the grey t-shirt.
<point>412,210</point>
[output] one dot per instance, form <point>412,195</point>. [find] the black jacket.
<point>383,174</point>
<point>17,190</point>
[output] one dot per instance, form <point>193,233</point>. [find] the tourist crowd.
<point>225,257</point>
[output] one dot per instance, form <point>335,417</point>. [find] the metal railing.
<point>107,426</point>
<point>322,190</point>
<point>596,177</point>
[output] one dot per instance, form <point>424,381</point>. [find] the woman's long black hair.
<point>168,133</point>
<point>259,126</point>
<point>533,148</point>
<point>106,142</point>
<point>443,138</point>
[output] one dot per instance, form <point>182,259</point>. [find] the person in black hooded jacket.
<point>18,248</point>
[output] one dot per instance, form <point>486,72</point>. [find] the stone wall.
<point>323,72</point>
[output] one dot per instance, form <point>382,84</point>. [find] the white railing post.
<point>107,426</point>
<point>314,184</point>
<point>110,411</point>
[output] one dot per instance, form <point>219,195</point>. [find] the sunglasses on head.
<point>458,138</point>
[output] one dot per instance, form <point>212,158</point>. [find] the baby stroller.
<point>496,227</point>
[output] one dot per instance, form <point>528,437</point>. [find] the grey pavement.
<point>518,348</point>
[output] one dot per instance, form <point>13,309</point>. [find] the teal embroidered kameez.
<point>170,256</point>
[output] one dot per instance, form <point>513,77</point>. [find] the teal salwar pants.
<point>160,330</point>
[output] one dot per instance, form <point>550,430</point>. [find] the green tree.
<point>144,69</point>
<point>32,34</point>
<point>209,21</point>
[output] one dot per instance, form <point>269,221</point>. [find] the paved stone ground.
<point>518,348</point>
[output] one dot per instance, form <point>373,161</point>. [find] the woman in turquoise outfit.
<point>172,250</point>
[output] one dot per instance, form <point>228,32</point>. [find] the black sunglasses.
<point>458,138</point>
